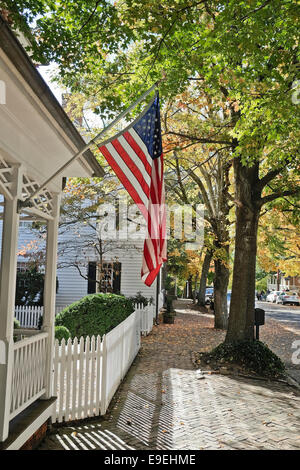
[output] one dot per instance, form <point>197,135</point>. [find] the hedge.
<point>95,314</point>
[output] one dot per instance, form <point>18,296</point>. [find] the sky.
<point>47,71</point>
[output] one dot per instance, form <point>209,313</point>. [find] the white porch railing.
<point>88,371</point>
<point>29,372</point>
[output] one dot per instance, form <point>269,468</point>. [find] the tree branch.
<point>272,197</point>
<point>90,17</point>
<point>197,139</point>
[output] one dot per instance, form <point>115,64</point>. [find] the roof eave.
<point>18,56</point>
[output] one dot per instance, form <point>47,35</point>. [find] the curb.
<point>291,381</point>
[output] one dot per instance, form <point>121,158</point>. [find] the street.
<point>287,315</point>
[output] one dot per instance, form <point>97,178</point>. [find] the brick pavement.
<point>164,403</point>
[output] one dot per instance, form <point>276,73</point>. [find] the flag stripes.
<point>136,157</point>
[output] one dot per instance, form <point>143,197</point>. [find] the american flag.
<point>136,157</point>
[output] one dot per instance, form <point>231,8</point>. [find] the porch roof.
<point>44,137</point>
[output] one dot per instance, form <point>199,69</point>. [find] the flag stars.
<point>148,128</point>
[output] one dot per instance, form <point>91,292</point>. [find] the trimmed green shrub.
<point>252,355</point>
<point>95,314</point>
<point>16,326</point>
<point>62,332</point>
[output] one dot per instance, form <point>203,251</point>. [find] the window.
<point>25,224</point>
<point>22,266</point>
<point>109,280</point>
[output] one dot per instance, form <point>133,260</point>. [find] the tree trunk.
<point>241,316</point>
<point>195,289</point>
<point>278,279</point>
<point>203,278</point>
<point>190,287</point>
<point>220,294</point>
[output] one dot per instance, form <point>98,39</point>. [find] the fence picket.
<point>55,373</point>
<point>75,369</point>
<point>81,364</point>
<point>99,358</point>
<point>92,386</point>
<point>87,375</point>
<point>104,376</point>
<point>62,351</point>
<point>69,378</point>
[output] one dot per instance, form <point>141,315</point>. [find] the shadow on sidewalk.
<point>163,402</point>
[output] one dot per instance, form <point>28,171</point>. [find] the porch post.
<point>7,298</point>
<point>50,293</point>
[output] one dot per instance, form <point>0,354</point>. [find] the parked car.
<point>229,299</point>
<point>212,305</point>
<point>273,296</point>
<point>288,298</point>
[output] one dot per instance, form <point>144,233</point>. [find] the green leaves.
<point>95,314</point>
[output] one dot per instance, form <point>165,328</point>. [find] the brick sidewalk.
<point>164,403</point>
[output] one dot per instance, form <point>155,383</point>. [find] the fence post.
<point>103,376</point>
<point>138,333</point>
<point>50,293</point>
<point>123,366</point>
<point>7,296</point>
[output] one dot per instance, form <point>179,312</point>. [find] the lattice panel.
<point>43,201</point>
<point>5,176</point>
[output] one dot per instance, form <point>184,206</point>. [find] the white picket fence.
<point>88,371</point>
<point>146,315</point>
<point>29,316</point>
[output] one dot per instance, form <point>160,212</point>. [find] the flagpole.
<point>27,202</point>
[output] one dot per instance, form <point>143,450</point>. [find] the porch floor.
<point>23,426</point>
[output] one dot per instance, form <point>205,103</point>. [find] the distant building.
<point>288,283</point>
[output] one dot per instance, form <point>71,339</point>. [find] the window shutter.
<point>91,277</point>
<point>117,278</point>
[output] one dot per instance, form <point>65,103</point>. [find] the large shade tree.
<point>246,50</point>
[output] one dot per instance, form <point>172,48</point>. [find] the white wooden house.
<point>36,138</point>
<point>123,261</point>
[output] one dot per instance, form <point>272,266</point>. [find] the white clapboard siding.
<point>72,286</point>
<point>88,371</point>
